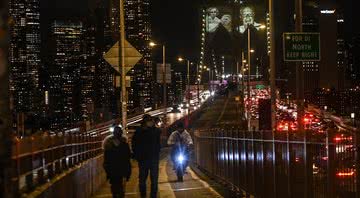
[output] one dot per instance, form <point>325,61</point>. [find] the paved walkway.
<point>192,186</point>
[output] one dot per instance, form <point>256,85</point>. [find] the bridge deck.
<point>192,186</point>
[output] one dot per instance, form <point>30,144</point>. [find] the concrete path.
<point>192,186</point>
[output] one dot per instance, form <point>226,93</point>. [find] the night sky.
<point>175,23</point>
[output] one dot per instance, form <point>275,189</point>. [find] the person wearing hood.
<point>146,149</point>
<point>117,163</point>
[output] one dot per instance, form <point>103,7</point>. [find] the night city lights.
<point>148,98</point>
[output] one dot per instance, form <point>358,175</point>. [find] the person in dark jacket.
<point>146,149</point>
<point>117,163</point>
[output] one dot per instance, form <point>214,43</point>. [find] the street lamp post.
<point>164,81</point>
<point>152,44</point>
<point>198,83</point>
<point>209,70</point>
<point>188,87</point>
<point>249,69</point>
<point>272,63</point>
<point>122,67</point>
<point>352,115</point>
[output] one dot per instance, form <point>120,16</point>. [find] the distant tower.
<point>67,57</point>
<point>138,33</point>
<point>24,55</point>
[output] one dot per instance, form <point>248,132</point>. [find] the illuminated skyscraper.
<point>68,59</point>
<point>105,100</point>
<point>138,33</point>
<point>24,55</point>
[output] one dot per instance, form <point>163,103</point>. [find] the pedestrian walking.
<point>117,163</point>
<point>146,149</point>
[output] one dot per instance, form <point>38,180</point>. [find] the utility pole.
<point>243,80</point>
<point>198,83</point>
<point>299,70</point>
<point>122,65</point>
<point>164,81</point>
<point>272,66</point>
<point>188,93</point>
<point>249,74</point>
<point>7,190</point>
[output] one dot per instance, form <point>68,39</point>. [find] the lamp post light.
<point>152,44</point>
<point>352,115</point>
<point>249,69</point>
<point>188,87</point>
<point>209,70</point>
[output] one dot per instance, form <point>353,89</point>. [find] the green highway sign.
<point>301,46</point>
<point>260,86</point>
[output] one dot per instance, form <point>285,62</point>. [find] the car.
<point>184,105</point>
<point>175,109</point>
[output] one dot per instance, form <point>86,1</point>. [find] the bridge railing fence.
<point>280,164</point>
<point>40,158</point>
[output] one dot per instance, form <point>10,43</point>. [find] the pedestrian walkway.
<point>192,186</point>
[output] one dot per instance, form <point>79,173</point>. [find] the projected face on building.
<point>216,18</point>
<point>226,22</point>
<point>212,20</point>
<point>247,15</point>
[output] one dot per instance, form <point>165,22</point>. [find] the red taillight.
<point>337,139</point>
<point>344,174</point>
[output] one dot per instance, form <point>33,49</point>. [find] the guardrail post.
<point>41,175</point>
<point>331,172</point>
<point>288,163</point>
<point>29,178</point>
<point>50,157</point>
<point>57,155</point>
<point>253,178</point>
<point>357,163</point>
<point>245,170</point>
<point>87,147</point>
<point>236,158</point>
<point>308,164</point>
<point>64,152</point>
<point>70,148</point>
<point>274,163</point>
<point>15,181</point>
<point>263,156</point>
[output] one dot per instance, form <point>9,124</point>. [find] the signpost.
<point>132,56</point>
<point>159,73</point>
<point>301,46</point>
<point>129,57</point>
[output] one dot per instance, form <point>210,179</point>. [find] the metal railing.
<point>281,164</point>
<point>39,158</point>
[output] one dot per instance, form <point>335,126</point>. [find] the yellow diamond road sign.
<point>132,56</point>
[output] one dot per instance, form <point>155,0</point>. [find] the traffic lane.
<point>173,117</point>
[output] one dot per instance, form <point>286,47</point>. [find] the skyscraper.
<point>24,55</point>
<point>138,33</point>
<point>105,99</point>
<point>68,59</point>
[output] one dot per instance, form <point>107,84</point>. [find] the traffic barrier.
<point>281,164</point>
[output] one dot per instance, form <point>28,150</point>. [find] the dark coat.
<point>146,144</point>
<point>117,157</point>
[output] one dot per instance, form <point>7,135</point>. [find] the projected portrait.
<point>247,15</point>
<point>226,22</point>
<point>212,19</point>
